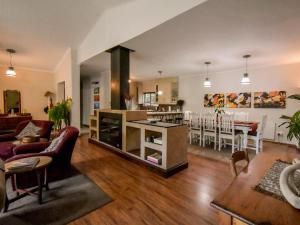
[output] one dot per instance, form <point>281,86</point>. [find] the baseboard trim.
<point>164,173</point>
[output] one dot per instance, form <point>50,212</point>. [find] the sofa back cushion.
<point>29,130</point>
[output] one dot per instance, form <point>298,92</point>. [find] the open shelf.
<point>135,152</point>
<point>154,146</point>
<point>151,152</point>
<point>133,144</point>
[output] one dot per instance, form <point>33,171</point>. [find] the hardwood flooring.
<point>143,197</point>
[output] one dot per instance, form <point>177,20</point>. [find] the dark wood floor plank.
<point>143,197</point>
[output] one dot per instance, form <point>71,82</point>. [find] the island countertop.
<point>157,124</point>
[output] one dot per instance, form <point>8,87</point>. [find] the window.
<point>149,98</point>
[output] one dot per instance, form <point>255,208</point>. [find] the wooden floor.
<point>142,197</point>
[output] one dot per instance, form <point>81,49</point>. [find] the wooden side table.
<point>40,168</point>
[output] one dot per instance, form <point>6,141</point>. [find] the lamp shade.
<point>245,80</point>
<point>207,83</point>
<point>10,72</point>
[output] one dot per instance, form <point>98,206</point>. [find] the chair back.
<point>195,120</point>
<point>64,150</point>
<point>226,124</point>
<point>241,116</point>
<point>187,115</point>
<point>209,121</point>
<point>261,126</point>
<point>236,157</point>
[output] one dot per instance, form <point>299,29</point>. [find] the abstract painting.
<point>214,100</point>
<point>238,100</point>
<point>272,99</point>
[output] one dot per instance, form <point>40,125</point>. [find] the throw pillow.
<point>29,130</point>
<point>55,143</point>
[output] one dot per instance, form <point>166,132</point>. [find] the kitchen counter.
<point>157,124</point>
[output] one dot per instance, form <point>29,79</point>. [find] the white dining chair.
<point>187,117</point>
<point>195,127</point>
<point>241,116</point>
<point>227,132</point>
<point>209,123</point>
<point>257,137</point>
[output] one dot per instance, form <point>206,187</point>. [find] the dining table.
<point>240,204</point>
<point>246,127</point>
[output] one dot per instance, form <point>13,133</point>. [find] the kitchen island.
<point>156,145</point>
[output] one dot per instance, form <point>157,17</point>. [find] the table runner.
<point>269,184</point>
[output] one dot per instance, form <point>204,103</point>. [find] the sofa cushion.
<point>29,130</point>
<point>55,143</point>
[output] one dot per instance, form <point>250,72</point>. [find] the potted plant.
<point>293,123</point>
<point>180,103</point>
<point>61,112</point>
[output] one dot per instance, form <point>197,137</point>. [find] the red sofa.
<point>44,132</point>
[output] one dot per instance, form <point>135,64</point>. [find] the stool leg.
<point>40,187</point>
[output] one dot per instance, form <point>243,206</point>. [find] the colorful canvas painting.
<point>272,99</point>
<point>238,100</point>
<point>214,100</point>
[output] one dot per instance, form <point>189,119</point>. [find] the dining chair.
<point>241,116</point>
<point>209,122</point>
<point>238,157</point>
<point>257,137</point>
<point>227,132</point>
<point>195,127</point>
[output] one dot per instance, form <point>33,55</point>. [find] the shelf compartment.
<point>154,146</point>
<point>133,144</point>
<point>152,152</point>
<point>135,152</point>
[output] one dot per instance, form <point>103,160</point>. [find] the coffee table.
<point>40,168</point>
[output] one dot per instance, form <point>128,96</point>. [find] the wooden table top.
<point>242,202</point>
<point>44,161</point>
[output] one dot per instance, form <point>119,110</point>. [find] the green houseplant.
<point>180,103</point>
<point>61,113</point>
<point>293,123</point>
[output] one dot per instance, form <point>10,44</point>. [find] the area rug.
<point>269,184</point>
<point>209,152</point>
<point>67,200</point>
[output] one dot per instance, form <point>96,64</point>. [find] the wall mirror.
<point>12,101</point>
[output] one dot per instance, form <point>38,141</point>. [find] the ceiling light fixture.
<point>207,82</point>
<point>160,92</point>
<point>10,72</point>
<point>246,80</point>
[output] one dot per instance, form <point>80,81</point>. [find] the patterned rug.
<point>269,184</point>
<point>209,152</point>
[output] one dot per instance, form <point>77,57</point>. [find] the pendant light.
<point>10,72</point>
<point>159,92</point>
<point>207,82</point>
<point>246,80</point>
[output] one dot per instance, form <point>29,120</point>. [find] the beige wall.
<point>164,84</point>
<point>63,72</point>
<point>33,85</point>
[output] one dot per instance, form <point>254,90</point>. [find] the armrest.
<point>21,156</point>
<point>30,148</point>
<point>7,137</point>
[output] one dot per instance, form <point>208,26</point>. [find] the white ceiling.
<point>41,30</point>
<point>220,31</point>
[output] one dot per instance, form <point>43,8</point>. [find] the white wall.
<point>33,84</point>
<point>87,97</point>
<point>284,77</point>
<point>128,20</point>
<point>68,71</point>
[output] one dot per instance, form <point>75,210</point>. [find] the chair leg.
<point>190,138</point>
<point>200,139</point>
<point>261,145</point>
<point>203,143</point>
<point>220,143</point>
<point>257,146</point>
<point>215,144</point>
<point>232,146</point>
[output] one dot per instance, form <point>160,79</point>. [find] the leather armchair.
<point>61,156</point>
<point>44,132</point>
